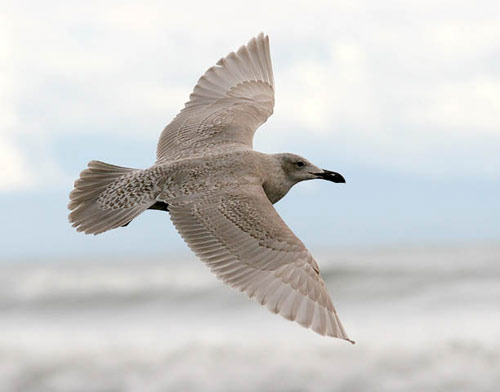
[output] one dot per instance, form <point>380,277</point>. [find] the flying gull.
<point>220,192</point>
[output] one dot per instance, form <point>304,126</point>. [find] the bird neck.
<point>276,183</point>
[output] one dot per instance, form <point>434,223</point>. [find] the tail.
<point>107,196</point>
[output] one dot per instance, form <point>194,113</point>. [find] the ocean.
<point>424,319</point>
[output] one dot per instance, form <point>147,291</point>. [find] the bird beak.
<point>330,176</point>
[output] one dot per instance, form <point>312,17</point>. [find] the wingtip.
<point>261,35</point>
<point>344,337</point>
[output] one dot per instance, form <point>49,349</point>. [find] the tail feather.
<point>108,196</point>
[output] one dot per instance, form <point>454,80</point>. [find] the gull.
<point>220,192</point>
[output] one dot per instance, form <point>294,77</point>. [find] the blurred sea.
<point>422,319</point>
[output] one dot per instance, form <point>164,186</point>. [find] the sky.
<point>401,97</point>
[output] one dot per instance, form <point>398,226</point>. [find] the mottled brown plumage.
<point>219,191</point>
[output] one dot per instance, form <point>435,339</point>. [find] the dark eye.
<point>300,164</point>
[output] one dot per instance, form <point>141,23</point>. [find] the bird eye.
<point>300,164</point>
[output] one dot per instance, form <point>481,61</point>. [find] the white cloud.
<point>471,106</point>
<point>323,95</point>
<point>392,80</point>
<point>14,172</point>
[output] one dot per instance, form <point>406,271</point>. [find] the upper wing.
<point>229,102</point>
<point>245,243</point>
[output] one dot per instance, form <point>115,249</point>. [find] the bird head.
<point>298,169</point>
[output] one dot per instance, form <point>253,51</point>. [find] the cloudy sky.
<point>401,97</point>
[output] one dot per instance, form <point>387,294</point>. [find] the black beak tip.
<point>332,176</point>
<point>340,179</point>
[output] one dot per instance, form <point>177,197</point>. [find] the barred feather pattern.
<point>220,192</point>
<point>229,102</point>
<point>108,196</point>
<point>243,240</point>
